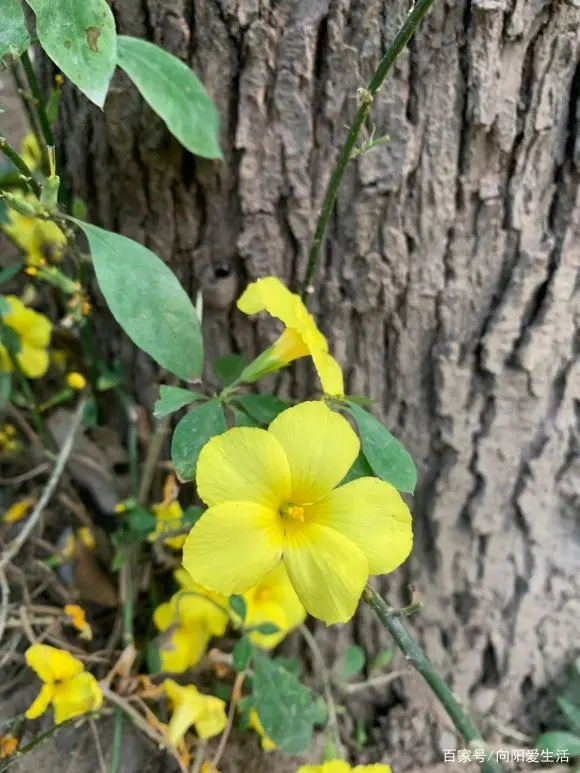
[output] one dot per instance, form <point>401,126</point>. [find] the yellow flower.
<point>300,338</point>
<point>8,442</point>
<point>38,239</point>
<point>34,332</point>
<point>30,151</point>
<point>78,620</point>
<point>207,767</point>
<point>71,690</point>
<point>191,707</point>
<point>254,722</point>
<point>8,745</point>
<point>339,766</point>
<point>273,600</point>
<point>18,510</point>
<point>190,618</point>
<point>76,380</point>
<point>271,497</point>
<point>87,537</point>
<point>168,519</point>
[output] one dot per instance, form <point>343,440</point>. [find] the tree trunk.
<point>446,289</point>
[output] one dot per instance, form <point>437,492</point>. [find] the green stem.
<point>19,163</point>
<point>117,739</point>
<point>25,99</point>
<point>38,101</point>
<point>366,98</point>
<point>415,655</point>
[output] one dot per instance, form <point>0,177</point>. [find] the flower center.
<point>294,512</point>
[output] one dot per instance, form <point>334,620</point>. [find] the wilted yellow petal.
<point>41,702</point>
<point>76,696</point>
<point>78,620</point>
<point>87,537</point>
<point>190,707</point>
<point>8,745</point>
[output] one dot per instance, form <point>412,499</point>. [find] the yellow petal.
<point>5,360</point>
<point>164,615</point>
<point>192,707</point>
<point>273,600</point>
<point>233,546</point>
<point>18,510</point>
<point>184,649</point>
<point>266,612</point>
<point>269,294</point>
<point>373,515</point>
<point>320,446</point>
<point>76,696</point>
<point>208,610</point>
<point>244,464</point>
<point>212,718</point>
<point>329,372</point>
<point>332,766</point>
<point>327,570</point>
<point>290,346</point>
<point>31,361</point>
<point>41,702</point>
<point>52,664</point>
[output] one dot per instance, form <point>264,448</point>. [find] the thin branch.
<point>327,687</point>
<point>38,101</point>
<point>366,97</point>
<point>376,681</point>
<point>153,452</point>
<point>415,655</point>
<point>236,695</point>
<point>5,588</point>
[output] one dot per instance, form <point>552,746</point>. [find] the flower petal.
<point>76,696</point>
<point>373,515</point>
<point>329,372</point>
<point>244,464</point>
<point>32,361</point>
<point>320,446</point>
<point>269,294</point>
<point>41,702</point>
<point>183,649</point>
<point>52,664</point>
<point>212,719</point>
<point>232,546</point>
<point>328,571</point>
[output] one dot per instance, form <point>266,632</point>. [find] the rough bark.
<point>447,288</point>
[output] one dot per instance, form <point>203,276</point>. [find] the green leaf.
<point>192,433</point>
<point>172,398</point>
<point>570,711</point>
<point>242,419</point>
<point>10,271</point>
<point>191,515</point>
<point>354,661</point>
<point>229,368</point>
<point>14,38</point>
<point>319,711</point>
<point>146,299</point>
<point>238,606</point>
<point>559,741</point>
<point>360,469</point>
<point>242,653</point>
<point>267,629</point>
<point>5,386</point>
<point>290,664</point>
<point>141,520</point>
<point>80,39</point>
<point>284,705</point>
<point>383,658</point>
<point>262,408</point>
<point>388,458</point>
<point>174,92</point>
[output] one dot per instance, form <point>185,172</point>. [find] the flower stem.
<point>415,655</point>
<point>19,163</point>
<point>38,101</point>
<point>25,98</point>
<point>366,98</point>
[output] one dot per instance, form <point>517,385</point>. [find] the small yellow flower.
<point>30,151</point>
<point>34,331</point>
<point>71,690</point>
<point>340,766</point>
<point>254,722</point>
<point>78,620</point>
<point>87,537</point>
<point>272,497</point>
<point>300,338</point>
<point>8,745</point>
<point>8,442</point>
<point>76,380</point>
<point>190,618</point>
<point>190,707</point>
<point>38,239</point>
<point>168,519</point>
<point>207,767</point>
<point>69,547</point>
<point>273,600</point>
<point>18,510</point>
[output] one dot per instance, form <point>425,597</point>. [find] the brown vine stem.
<point>365,99</point>
<point>415,655</point>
